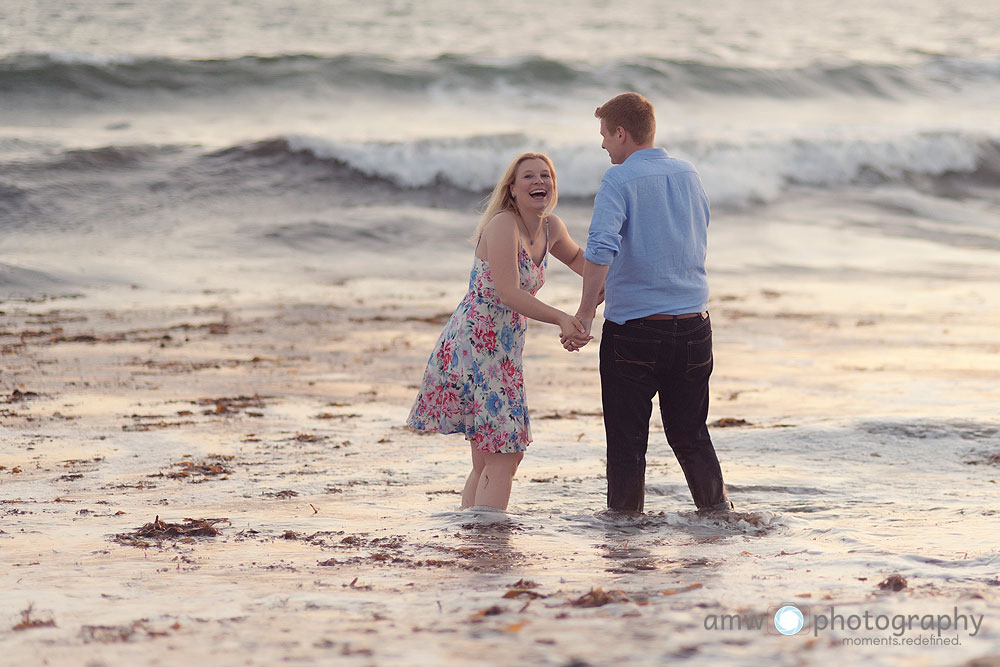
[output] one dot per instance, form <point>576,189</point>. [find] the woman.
<point>473,383</point>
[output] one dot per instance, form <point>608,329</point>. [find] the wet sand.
<point>229,482</point>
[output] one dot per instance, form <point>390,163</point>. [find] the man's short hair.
<point>631,111</point>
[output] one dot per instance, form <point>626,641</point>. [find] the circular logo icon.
<point>788,620</point>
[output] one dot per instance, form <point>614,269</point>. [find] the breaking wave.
<point>111,77</point>
<point>735,173</point>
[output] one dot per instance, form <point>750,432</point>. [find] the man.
<point>646,250</point>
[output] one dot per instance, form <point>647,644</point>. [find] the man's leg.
<point>684,408</point>
<point>627,389</point>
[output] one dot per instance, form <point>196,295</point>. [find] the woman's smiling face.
<point>533,184</point>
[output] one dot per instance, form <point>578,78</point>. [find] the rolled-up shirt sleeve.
<point>604,239</point>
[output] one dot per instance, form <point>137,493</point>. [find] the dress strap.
<point>546,235</point>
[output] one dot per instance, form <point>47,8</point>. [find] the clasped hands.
<point>576,335</point>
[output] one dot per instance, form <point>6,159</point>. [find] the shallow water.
<point>343,535</point>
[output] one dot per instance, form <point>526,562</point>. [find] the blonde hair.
<point>631,111</point>
<point>501,200</point>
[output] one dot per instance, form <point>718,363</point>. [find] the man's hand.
<point>577,340</point>
<point>592,296</point>
<point>573,333</point>
<point>575,343</point>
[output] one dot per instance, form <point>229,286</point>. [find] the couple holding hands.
<point>645,255</point>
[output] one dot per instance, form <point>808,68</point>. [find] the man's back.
<point>650,225</point>
<point>646,248</point>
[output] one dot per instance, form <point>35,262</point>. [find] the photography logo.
<point>788,620</point>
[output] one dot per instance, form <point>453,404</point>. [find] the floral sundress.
<point>473,383</point>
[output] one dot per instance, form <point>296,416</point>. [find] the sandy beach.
<point>325,531</point>
<point>231,231</point>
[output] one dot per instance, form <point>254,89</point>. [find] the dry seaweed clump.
<point>110,634</point>
<point>28,623</point>
<point>213,466</point>
<point>730,422</point>
<point>232,405</point>
<point>161,530</point>
<point>988,459</point>
<point>17,396</point>
<point>894,582</point>
<point>598,597</point>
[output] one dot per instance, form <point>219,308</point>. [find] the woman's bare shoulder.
<point>556,225</point>
<point>502,221</point>
<point>507,216</point>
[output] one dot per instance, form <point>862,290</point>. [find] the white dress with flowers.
<point>473,383</point>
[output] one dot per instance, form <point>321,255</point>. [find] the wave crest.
<point>735,173</point>
<point>93,76</point>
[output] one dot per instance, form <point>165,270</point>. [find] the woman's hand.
<point>573,333</point>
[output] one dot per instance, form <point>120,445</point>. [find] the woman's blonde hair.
<point>501,200</point>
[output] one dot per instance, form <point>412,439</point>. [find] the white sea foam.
<point>86,58</point>
<point>734,172</point>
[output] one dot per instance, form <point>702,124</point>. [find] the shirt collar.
<point>648,154</point>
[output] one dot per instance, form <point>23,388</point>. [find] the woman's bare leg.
<point>478,463</point>
<point>496,479</point>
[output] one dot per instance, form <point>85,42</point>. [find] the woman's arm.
<point>501,252</point>
<point>563,247</point>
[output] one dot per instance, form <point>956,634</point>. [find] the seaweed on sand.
<point>894,582</point>
<point>27,622</point>
<point>598,597</point>
<point>213,466</point>
<point>161,530</point>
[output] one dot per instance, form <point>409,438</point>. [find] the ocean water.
<point>190,132</point>
<point>296,151</point>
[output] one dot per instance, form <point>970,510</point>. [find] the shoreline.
<point>280,424</point>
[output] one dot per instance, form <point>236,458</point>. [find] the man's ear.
<point>621,134</point>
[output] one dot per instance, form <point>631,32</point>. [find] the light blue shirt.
<point>650,225</point>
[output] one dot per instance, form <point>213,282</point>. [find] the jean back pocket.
<point>699,358</point>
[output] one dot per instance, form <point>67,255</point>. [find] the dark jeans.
<point>673,358</point>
